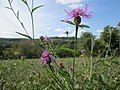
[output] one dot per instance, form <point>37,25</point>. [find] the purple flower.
<point>47,38</point>
<point>33,71</point>
<point>47,58</point>
<point>61,64</point>
<point>119,24</point>
<point>77,12</point>
<point>83,51</point>
<point>71,68</point>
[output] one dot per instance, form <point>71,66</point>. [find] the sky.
<point>47,18</point>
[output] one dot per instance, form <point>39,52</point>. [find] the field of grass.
<point>31,75</point>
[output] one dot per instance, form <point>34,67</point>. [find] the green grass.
<point>18,75</point>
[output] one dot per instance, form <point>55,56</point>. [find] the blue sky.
<point>47,19</point>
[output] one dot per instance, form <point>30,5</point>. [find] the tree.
<point>28,49</point>
<point>84,43</point>
<point>110,38</point>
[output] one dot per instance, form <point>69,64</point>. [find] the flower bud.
<point>42,38</point>
<point>77,19</point>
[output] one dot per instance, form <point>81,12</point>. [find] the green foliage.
<point>24,35</point>
<point>105,36</point>
<point>31,75</point>
<point>36,8</point>
<point>84,43</point>
<point>79,25</point>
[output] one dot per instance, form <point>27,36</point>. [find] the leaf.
<point>83,26</point>
<point>24,35</point>
<point>103,81</point>
<point>11,1</point>
<point>24,1</point>
<point>67,49</point>
<point>115,62</point>
<point>18,14</point>
<point>66,75</point>
<point>107,64</point>
<point>69,22</point>
<point>8,8</point>
<point>37,8</point>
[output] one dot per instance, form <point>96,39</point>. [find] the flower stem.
<point>18,18</point>
<point>119,36</point>
<point>32,19</point>
<point>74,54</point>
<point>91,57</point>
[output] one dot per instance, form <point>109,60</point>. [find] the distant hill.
<point>10,40</point>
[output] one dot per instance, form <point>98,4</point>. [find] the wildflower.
<point>83,51</point>
<point>47,58</point>
<point>71,68</point>
<point>47,38</point>
<point>61,64</point>
<point>42,38</point>
<point>119,24</point>
<point>81,61</point>
<point>33,71</point>
<point>77,13</point>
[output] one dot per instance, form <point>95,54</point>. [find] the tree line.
<point>108,44</point>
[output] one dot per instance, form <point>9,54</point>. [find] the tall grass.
<point>30,75</point>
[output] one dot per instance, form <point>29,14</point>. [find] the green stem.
<point>91,57</point>
<point>56,78</point>
<point>110,41</point>
<point>119,36</point>
<point>32,25</point>
<point>32,19</point>
<point>18,18</point>
<point>74,54</point>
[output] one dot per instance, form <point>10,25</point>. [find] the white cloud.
<point>63,30</point>
<point>99,31</point>
<point>82,31</point>
<point>72,6</point>
<point>79,33</point>
<point>68,1</point>
<point>59,30</point>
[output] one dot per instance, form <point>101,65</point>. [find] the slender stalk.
<point>31,15</point>
<point>18,18</point>
<point>110,40</point>
<point>56,79</point>
<point>91,57</point>
<point>32,25</point>
<point>119,36</point>
<point>74,54</point>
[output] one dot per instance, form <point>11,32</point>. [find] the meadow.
<point>29,74</point>
<point>94,65</point>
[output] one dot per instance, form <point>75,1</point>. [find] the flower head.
<point>33,71</point>
<point>47,38</point>
<point>47,58</point>
<point>77,13</point>
<point>61,64</point>
<point>119,24</point>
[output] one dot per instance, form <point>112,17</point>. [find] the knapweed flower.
<point>47,57</point>
<point>83,51</point>
<point>47,38</point>
<point>61,64</point>
<point>71,68</point>
<point>77,13</point>
<point>119,24</point>
<point>42,38</point>
<point>33,71</point>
